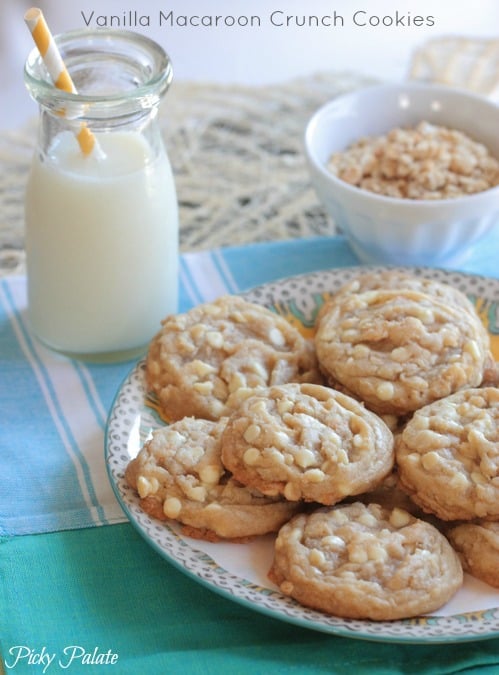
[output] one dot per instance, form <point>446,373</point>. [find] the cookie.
<point>179,475</point>
<point>490,373</point>
<point>396,279</point>
<point>390,495</point>
<point>307,442</point>
<point>365,562</point>
<point>477,545</point>
<point>398,350</point>
<point>448,456</point>
<point>201,362</point>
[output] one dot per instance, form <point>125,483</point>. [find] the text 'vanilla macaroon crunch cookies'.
<point>307,442</point>
<point>365,562</point>
<point>201,362</point>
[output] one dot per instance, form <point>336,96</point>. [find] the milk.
<point>102,245</point>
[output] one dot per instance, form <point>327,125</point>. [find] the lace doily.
<point>459,61</point>
<point>237,155</point>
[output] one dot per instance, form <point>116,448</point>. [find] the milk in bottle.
<point>101,229</point>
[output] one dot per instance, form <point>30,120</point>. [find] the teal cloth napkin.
<point>77,580</point>
<point>53,410</point>
<point>105,588</point>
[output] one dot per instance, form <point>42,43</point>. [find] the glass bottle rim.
<point>151,89</point>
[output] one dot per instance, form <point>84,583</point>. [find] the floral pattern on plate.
<point>133,417</point>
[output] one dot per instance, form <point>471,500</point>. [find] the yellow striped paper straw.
<point>55,65</point>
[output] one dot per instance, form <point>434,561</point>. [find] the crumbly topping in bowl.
<point>422,162</point>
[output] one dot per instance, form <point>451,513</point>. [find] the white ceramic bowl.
<point>387,230</point>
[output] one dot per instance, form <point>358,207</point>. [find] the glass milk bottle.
<point>101,228</point>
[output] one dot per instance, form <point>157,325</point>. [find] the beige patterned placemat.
<point>459,61</point>
<point>237,155</point>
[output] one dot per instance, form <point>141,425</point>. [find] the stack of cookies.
<point>372,450</point>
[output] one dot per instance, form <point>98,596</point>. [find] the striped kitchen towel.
<point>53,410</point>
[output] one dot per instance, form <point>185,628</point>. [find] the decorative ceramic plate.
<point>238,571</point>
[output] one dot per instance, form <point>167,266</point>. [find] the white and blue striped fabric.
<point>53,410</point>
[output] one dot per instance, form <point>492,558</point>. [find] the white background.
<point>250,55</point>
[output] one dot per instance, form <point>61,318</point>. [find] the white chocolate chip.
<point>284,406</point>
<point>214,339</point>
<point>333,543</point>
<point>357,554</point>
<point>172,507</point>
<point>202,369</point>
<point>252,456</point>
<point>471,348</point>
<point>385,391</point>
<point>276,337</point>
<point>204,388</point>
<point>196,493</point>
<point>258,407</point>
<point>305,458</point>
<point>368,520</point>
<point>252,433</point>
<point>197,332</point>
<point>430,461</point>
<point>399,518</point>
<point>314,476</point>
<point>210,474</point>
<point>175,438</point>
<point>292,492</point>
<point>317,558</point>
<point>146,487</point>
<point>237,380</point>
<point>458,481</point>
<point>400,354</point>
<point>376,552</point>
